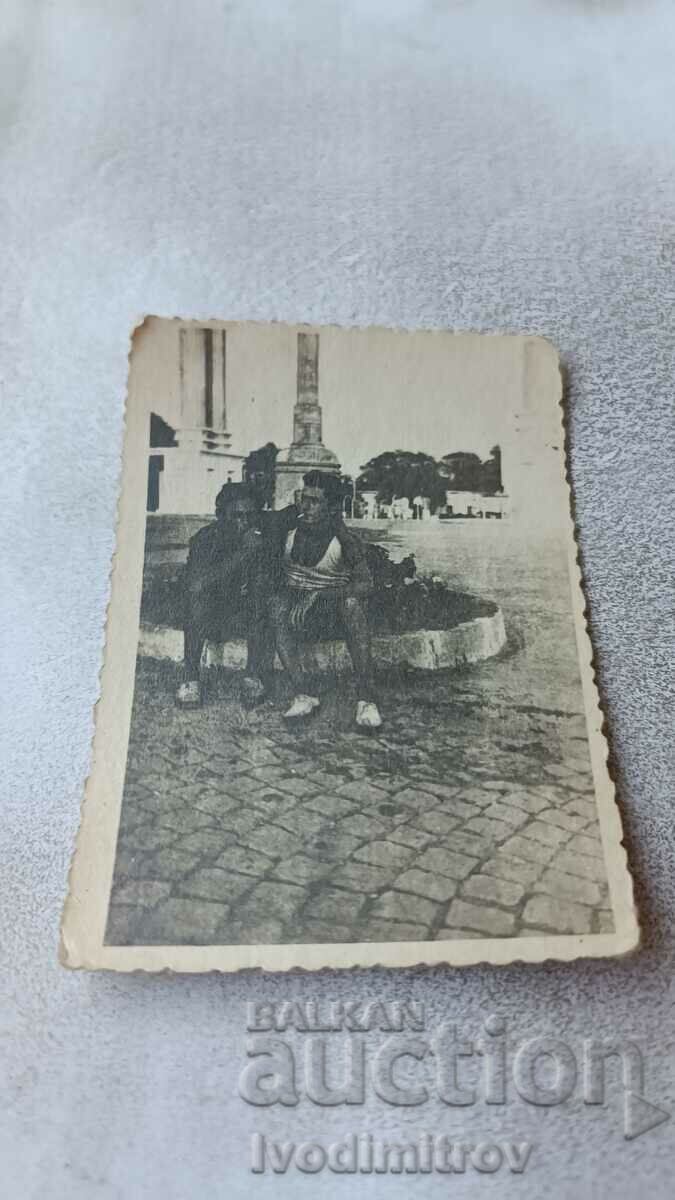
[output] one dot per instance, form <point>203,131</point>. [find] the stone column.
<point>307,412</point>
<point>307,450</point>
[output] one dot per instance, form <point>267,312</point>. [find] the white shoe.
<point>368,715</point>
<point>302,706</point>
<point>189,694</point>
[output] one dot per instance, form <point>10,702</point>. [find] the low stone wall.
<point>428,649</point>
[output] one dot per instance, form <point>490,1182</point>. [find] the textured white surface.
<point>475,165</point>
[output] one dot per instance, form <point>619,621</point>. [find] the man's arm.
<point>282,521</point>
<point>354,555</point>
<point>200,568</point>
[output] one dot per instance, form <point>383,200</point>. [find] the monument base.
<point>290,471</point>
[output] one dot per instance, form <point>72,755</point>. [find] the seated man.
<point>226,592</point>
<point>322,591</point>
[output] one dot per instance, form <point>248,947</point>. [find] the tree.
<point>492,472</point>
<point>403,473</point>
<point>462,471</point>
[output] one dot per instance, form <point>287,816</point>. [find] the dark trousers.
<point>221,609</point>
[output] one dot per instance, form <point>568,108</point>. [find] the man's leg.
<point>354,619</point>
<point>260,654</point>
<point>289,653</point>
<point>197,608</point>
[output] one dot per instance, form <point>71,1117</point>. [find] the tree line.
<point>398,473</point>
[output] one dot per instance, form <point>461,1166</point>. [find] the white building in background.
<point>496,506</point>
<point>370,507</point>
<point>192,455</point>
<point>474,504</point>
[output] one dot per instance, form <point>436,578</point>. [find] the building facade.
<point>189,461</point>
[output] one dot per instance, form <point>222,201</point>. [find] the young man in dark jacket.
<point>226,592</point>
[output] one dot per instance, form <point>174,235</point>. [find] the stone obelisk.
<point>307,451</point>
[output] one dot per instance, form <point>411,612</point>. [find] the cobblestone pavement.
<point>471,814</point>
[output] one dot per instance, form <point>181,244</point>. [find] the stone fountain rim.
<point>465,643</point>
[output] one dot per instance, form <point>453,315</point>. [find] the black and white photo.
<point>361,721</point>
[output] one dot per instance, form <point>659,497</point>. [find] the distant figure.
<point>226,592</point>
<point>323,587</point>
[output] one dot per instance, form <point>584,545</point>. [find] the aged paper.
<point>347,714</point>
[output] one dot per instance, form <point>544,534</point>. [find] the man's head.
<point>321,497</point>
<point>238,507</point>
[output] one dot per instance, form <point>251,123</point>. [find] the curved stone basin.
<point>469,641</point>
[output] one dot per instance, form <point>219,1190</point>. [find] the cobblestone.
<point>281,899</point>
<point>548,835</point>
<point>300,823</point>
<point>301,869</point>
<point>570,887</point>
<point>207,843</point>
<point>488,887</point>
<point>529,801</point>
<point>504,866</point>
<point>360,826</point>
<point>394,931</point>
<point>212,883</point>
<point>235,828</point>
<point>384,854</point>
<point>503,811</point>
<point>332,807</point>
<point>362,792</point>
<point>424,883</point>
<point>358,877</point>
<point>585,845</point>
<point>244,861</point>
<point>170,864</point>
<point>145,892</point>
<point>447,862</point>
<point>147,837</point>
<point>583,807</point>
<point>394,906</point>
<point>529,849</point>
<point>496,830</point>
<point>408,836</point>
<point>585,866</point>
<point>485,919</point>
<point>450,935</point>
<point>332,846</point>
<point>568,821</point>
<point>199,922</point>
<point>333,904</point>
<point>418,800</point>
<point>322,931</point>
<point>562,916</point>
<point>435,822</point>
<point>271,840</point>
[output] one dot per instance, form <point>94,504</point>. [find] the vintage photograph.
<point>347,699</point>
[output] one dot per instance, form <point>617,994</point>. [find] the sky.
<point>379,390</point>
